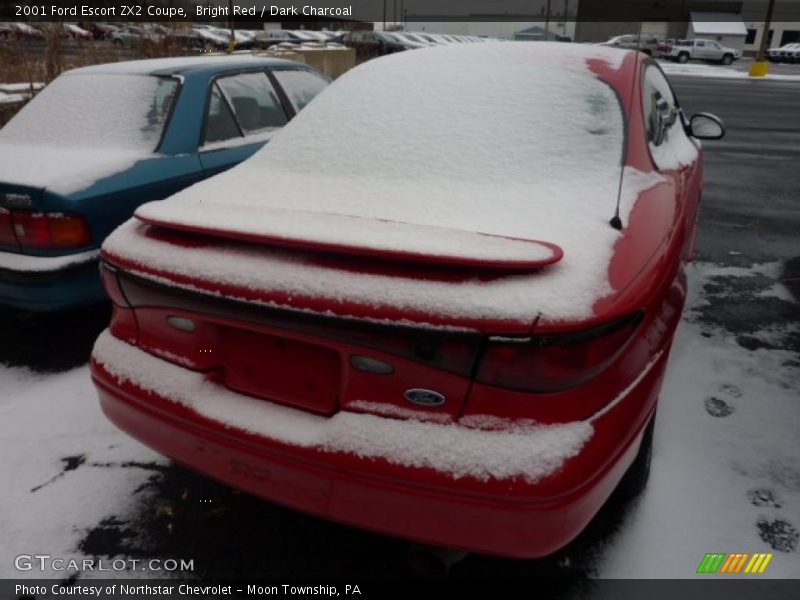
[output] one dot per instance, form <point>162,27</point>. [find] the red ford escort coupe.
<point>439,304</point>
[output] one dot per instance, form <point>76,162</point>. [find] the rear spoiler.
<point>355,236</point>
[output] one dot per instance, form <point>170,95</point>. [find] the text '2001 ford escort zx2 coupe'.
<point>438,305</point>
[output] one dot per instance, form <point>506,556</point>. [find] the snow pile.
<point>517,140</point>
<point>530,452</point>
<point>81,128</point>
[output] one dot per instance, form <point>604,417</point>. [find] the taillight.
<point>7,237</point>
<point>44,230</point>
<point>108,275</point>
<point>553,363</point>
<point>123,320</point>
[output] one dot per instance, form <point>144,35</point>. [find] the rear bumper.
<point>509,518</point>
<point>63,288</point>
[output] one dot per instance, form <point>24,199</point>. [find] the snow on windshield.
<point>479,139</point>
<point>95,111</point>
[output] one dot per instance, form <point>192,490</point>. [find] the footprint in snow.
<point>779,534</point>
<point>717,407</point>
<point>763,497</point>
<point>730,390</point>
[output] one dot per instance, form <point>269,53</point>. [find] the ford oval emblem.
<point>422,397</point>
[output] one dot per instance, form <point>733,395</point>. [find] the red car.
<point>437,305</point>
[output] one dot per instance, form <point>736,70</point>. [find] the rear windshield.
<point>470,120</point>
<point>97,110</point>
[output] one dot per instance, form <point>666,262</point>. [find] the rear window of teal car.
<point>98,110</point>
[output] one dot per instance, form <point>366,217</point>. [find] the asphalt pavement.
<point>750,210</point>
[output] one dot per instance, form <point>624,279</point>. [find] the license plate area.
<point>282,369</point>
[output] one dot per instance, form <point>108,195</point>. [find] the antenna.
<point>616,221</point>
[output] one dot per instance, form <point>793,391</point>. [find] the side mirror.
<point>705,126</point>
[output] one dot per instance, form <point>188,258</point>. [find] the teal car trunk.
<point>100,141</point>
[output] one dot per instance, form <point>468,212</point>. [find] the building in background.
<point>557,28</point>
<point>725,28</point>
<point>738,24</point>
<point>780,33</point>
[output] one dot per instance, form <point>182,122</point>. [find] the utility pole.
<point>232,40</point>
<point>546,20</point>
<point>760,67</point>
<point>384,15</point>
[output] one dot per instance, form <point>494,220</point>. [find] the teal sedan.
<point>101,140</point>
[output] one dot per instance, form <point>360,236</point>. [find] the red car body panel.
<point>510,517</point>
<point>496,517</point>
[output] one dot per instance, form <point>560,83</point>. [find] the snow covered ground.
<point>726,471</point>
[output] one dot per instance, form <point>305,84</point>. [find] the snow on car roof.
<point>178,64</point>
<point>512,139</point>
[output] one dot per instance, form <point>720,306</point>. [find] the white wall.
<point>730,41</point>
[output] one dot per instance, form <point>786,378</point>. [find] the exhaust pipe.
<point>433,561</point>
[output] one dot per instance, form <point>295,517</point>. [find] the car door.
<point>243,112</point>
<point>700,50</point>
<point>713,51</point>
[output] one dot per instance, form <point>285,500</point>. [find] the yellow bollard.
<point>758,68</point>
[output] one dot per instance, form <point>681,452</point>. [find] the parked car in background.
<point>130,35</point>
<point>683,51</point>
<point>19,31</point>
<point>75,32</point>
<point>242,40</point>
<point>98,141</point>
<point>393,42</point>
<point>210,38</point>
<point>390,319</point>
<point>100,31</point>
<point>788,53</point>
<point>649,44</point>
<point>272,37</point>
